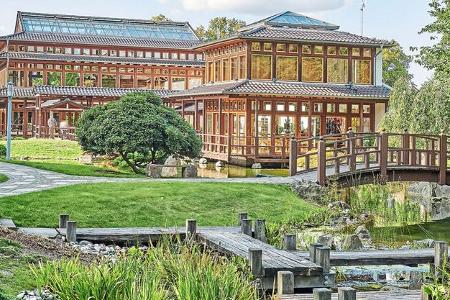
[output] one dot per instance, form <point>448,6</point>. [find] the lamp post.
<point>10,93</point>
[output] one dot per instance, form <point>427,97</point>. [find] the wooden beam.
<point>443,162</point>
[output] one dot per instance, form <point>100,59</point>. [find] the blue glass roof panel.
<point>297,20</point>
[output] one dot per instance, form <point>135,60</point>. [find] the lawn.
<point>3,178</point>
<point>155,204</point>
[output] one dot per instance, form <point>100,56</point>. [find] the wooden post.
<point>321,294</point>
<point>405,147</point>
<point>290,242</point>
<point>323,258</point>
<point>255,261</point>
<point>246,227</point>
<point>383,155</point>
<point>321,162</point>
<point>191,227</point>
<point>242,216</point>
<point>293,154</point>
<point>260,230</point>
<point>413,161</point>
<point>63,219</point>
<point>443,159</point>
<point>352,150</point>
<point>71,232</point>
<point>312,251</point>
<point>285,283</point>
<point>346,293</point>
<point>440,258</point>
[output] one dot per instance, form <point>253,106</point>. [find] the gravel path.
<point>23,179</point>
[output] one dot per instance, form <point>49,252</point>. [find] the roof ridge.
<point>237,85</point>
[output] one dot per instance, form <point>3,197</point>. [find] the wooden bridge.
<point>360,158</point>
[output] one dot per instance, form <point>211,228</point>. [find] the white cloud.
<point>261,7</point>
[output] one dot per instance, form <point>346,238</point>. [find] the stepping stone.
<point>7,223</point>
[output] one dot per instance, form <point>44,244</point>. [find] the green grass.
<point>3,178</point>
<point>155,204</point>
<point>45,149</point>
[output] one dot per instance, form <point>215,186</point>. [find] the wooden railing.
<point>358,151</point>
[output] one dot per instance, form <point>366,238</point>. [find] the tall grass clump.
<point>168,271</point>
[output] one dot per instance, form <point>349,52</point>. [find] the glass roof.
<point>290,18</point>
<point>108,28</point>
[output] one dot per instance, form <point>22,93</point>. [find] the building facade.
<point>285,76</point>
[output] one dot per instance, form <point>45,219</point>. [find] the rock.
<point>190,171</point>
<point>153,171</point>
<point>171,171</point>
<point>310,191</point>
<point>256,166</point>
<point>326,240</point>
<point>203,161</point>
<point>352,242</point>
<point>219,164</point>
<point>85,243</point>
<point>440,208</point>
<point>363,233</point>
<point>86,158</point>
<point>339,205</point>
<point>427,243</point>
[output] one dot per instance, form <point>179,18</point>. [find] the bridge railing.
<point>350,152</point>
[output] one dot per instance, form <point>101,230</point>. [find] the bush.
<point>2,151</point>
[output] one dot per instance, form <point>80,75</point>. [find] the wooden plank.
<point>378,295</point>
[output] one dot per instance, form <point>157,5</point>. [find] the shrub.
<point>2,151</point>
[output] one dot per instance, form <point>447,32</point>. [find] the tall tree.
<point>218,28</point>
<point>437,56</point>
<point>160,18</point>
<point>395,64</point>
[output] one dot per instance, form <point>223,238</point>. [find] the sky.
<point>385,19</point>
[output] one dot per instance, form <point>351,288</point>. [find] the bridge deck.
<point>394,295</point>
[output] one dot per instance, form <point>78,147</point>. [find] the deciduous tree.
<point>218,28</point>
<point>395,64</point>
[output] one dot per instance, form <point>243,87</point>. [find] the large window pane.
<point>72,79</point>
<point>362,71</point>
<point>312,69</point>
<point>226,70</point>
<point>126,81</point>
<point>234,68</point>
<point>287,68</point>
<point>337,70</point>
<point>144,82</point>
<point>109,81</point>
<point>242,67</point>
<point>178,83</point>
<point>90,80</point>
<point>261,67</point>
<point>36,78</point>
<point>161,83</point>
<point>54,78</point>
<point>194,82</point>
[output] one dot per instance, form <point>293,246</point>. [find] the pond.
<point>229,171</point>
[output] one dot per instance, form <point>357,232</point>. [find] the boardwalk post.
<point>246,227</point>
<point>321,161</point>
<point>352,150</point>
<point>312,252</point>
<point>346,293</point>
<point>443,159</point>
<point>260,230</point>
<point>383,155</point>
<point>285,283</point>
<point>191,227</point>
<point>323,258</point>
<point>63,219</point>
<point>242,216</point>
<point>290,242</point>
<point>405,147</point>
<point>321,294</point>
<point>440,258</point>
<point>255,260</point>
<point>293,154</point>
<point>71,232</point>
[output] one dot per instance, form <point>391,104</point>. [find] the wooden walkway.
<point>378,295</point>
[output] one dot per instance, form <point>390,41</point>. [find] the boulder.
<point>171,171</point>
<point>190,171</point>
<point>86,158</point>
<point>309,190</point>
<point>363,233</point>
<point>327,240</point>
<point>339,205</point>
<point>423,244</point>
<point>203,161</point>
<point>219,164</point>
<point>257,166</point>
<point>440,208</point>
<point>351,243</point>
<point>154,171</point>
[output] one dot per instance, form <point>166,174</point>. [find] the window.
<point>30,48</point>
<point>306,49</point>
<point>366,109</point>
<point>280,106</point>
<point>242,67</point>
<point>148,54</point>
<point>175,55</point>
<point>131,53</point>
<point>77,51</point>
<point>281,47</point>
<point>356,52</point>
<point>261,67</point>
<point>234,68</point>
<point>199,56</point>
<point>90,80</point>
<point>362,71</point>
<point>343,51</point>
<point>109,81</point>
<point>287,68</point>
<point>144,82</point>
<point>292,107</point>
<point>267,106</point>
<point>305,107</point>
<point>122,53</point>
<point>95,52</point>
<point>226,70</point>
<point>178,83</point>
<point>67,50</point>
<point>318,49</point>
<point>140,54</point>
<point>293,48</point>
<point>72,79</point>
<point>86,51</point>
<point>161,83</point>
<point>194,82</point>
<point>126,81</point>
<point>337,70</point>
<point>191,56</point>
<point>113,53</point>
<point>17,77</point>
<point>256,46</point>
<point>367,52</point>
<point>331,108</point>
<point>157,54</point>
<point>268,47</point>
<point>343,108</point>
<point>36,78</point>
<point>318,107</point>
<point>104,52</point>
<point>211,71</point>
<point>49,50</point>
<point>312,69</point>
<point>331,50</point>
<point>183,56</point>
<point>40,49</point>
<point>165,55</point>
<point>217,71</point>
<point>355,108</point>
<point>54,78</point>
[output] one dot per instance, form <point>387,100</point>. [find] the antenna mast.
<point>363,8</point>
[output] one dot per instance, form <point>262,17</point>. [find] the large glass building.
<point>246,95</point>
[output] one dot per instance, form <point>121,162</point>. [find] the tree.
<point>395,64</point>
<point>160,18</point>
<point>437,56</point>
<point>218,28</point>
<point>138,128</point>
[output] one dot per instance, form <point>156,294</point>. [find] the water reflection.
<point>210,170</point>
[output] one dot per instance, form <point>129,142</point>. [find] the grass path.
<point>155,204</point>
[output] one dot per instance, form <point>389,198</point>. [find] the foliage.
<point>168,271</point>
<point>439,289</point>
<point>45,149</point>
<point>137,125</point>
<point>160,18</point>
<point>2,151</point>
<point>395,64</point>
<point>437,56</point>
<point>153,204</point>
<point>3,178</point>
<point>218,28</point>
